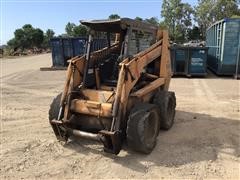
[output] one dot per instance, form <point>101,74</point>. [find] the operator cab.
<point>125,37</point>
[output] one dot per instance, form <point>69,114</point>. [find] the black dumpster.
<point>189,61</point>
<point>64,49</point>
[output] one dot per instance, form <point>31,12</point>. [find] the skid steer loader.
<point>119,92</point>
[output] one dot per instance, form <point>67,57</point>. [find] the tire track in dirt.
<point>17,76</point>
<point>203,92</point>
<point>29,91</point>
<point>210,95</point>
<point>199,93</point>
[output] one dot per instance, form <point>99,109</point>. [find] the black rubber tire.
<point>53,114</point>
<point>143,127</point>
<point>166,102</point>
<point>55,107</point>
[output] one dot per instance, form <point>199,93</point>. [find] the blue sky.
<point>54,14</point>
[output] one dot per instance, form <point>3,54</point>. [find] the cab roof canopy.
<point>119,25</point>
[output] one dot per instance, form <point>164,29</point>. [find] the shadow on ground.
<point>194,137</point>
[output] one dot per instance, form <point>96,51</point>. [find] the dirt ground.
<point>203,143</point>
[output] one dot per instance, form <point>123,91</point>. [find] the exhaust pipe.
<point>86,135</point>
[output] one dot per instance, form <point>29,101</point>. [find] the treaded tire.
<point>166,102</point>
<point>143,127</point>
<point>54,107</point>
<point>53,114</point>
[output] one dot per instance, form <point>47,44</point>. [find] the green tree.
<point>37,37</point>
<point>186,20</point>
<point>162,25</point>
<point>75,31</point>
<point>26,37</point>
<point>138,18</point>
<point>153,20</point>
<point>20,40</point>
<point>226,9</point>
<point>204,14</point>
<point>194,33</point>
<point>171,14</point>
<point>114,16</point>
<point>235,16</point>
<point>69,28</point>
<point>210,11</point>
<point>47,36</point>
<point>80,30</point>
<point>12,44</point>
<point>177,17</point>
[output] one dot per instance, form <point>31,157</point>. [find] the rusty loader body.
<point>119,92</point>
